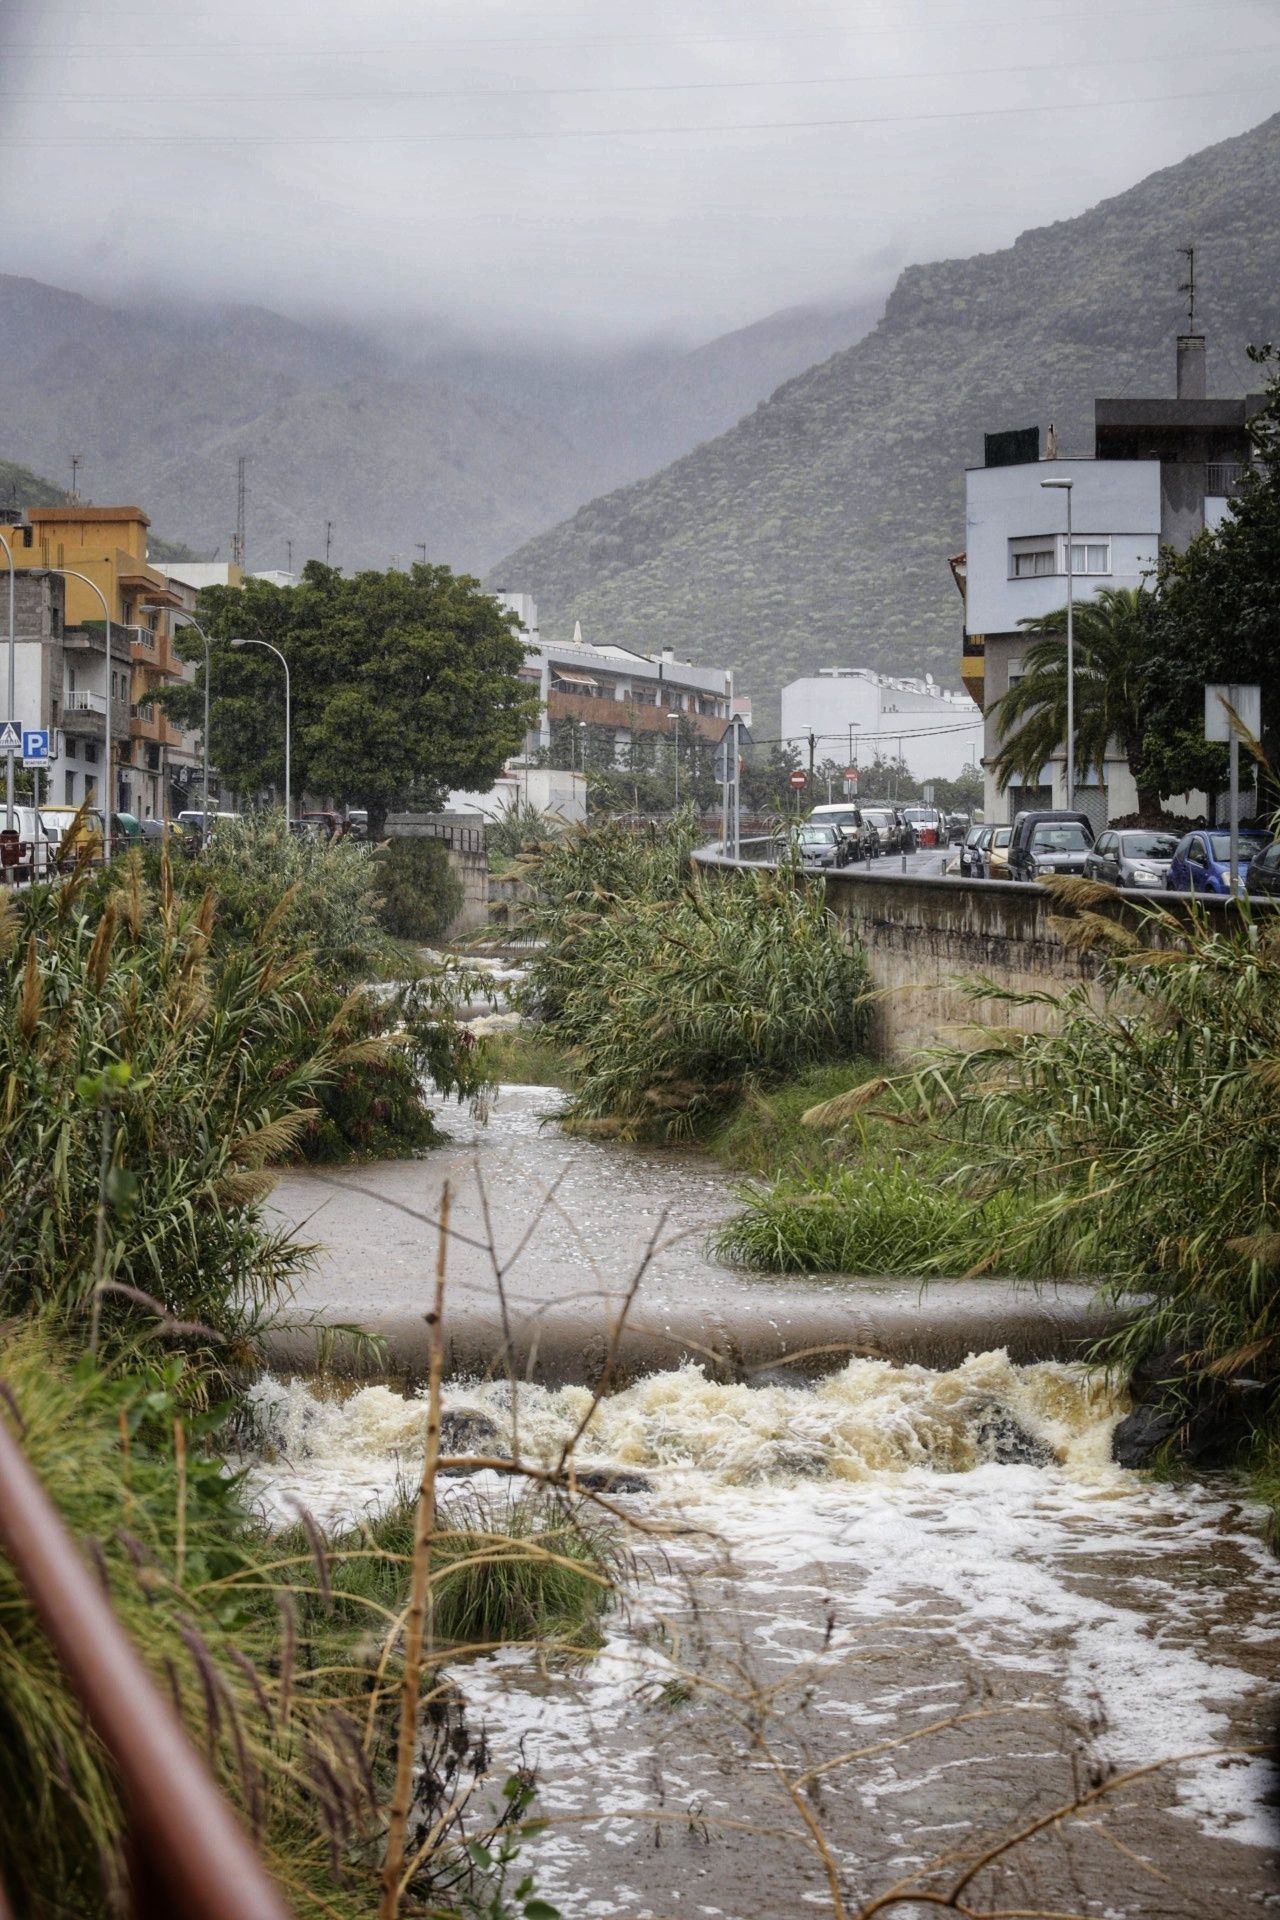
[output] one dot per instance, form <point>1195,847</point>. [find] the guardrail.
<point>188,1854</point>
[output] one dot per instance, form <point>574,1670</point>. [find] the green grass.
<point>765,1133</point>
<point>518,1567</point>
<point>872,1217</point>
<point>527,1056</point>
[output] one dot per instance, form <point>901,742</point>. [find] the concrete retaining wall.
<point>464,840</point>
<point>925,937</point>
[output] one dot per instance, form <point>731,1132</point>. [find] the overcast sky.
<point>610,170</point>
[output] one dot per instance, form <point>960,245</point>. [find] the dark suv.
<point>1048,843</point>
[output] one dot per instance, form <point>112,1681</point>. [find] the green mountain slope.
<point>816,532</point>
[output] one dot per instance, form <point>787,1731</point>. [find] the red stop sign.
<point>799,778</point>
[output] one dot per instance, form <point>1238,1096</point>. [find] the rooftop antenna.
<point>237,539</point>
<point>288,556</point>
<point>422,549</point>
<point>328,540</point>
<point>76,459</point>
<point>1188,286</point>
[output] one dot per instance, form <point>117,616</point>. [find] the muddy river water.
<point>901,1570</point>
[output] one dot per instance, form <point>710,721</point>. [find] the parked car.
<point>927,822</point>
<point>883,822</point>
<point>821,845</point>
<point>1068,849</point>
<point>1201,860</point>
<point>1131,857</point>
<point>908,838</point>
<point>126,832</point>
<point>969,850</point>
<point>192,821</point>
<point>1264,872</point>
<point>77,827</point>
<point>995,856</point>
<point>847,815</point>
<point>37,843</point>
<point>957,825</point>
<point>154,830</point>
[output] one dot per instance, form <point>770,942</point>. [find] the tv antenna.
<point>288,556</point>
<point>328,540</point>
<point>76,459</point>
<point>1188,286</point>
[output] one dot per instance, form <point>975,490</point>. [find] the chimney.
<point>1191,378</point>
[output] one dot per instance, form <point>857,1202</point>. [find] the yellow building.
<point>108,545</point>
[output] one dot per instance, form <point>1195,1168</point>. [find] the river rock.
<point>1140,1435</point>
<point>612,1480</point>
<point>468,1430</point>
<point>1004,1441</point>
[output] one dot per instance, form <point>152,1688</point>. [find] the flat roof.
<point>86,516</point>
<point>1127,412</point>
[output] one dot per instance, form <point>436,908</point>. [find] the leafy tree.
<point>1112,675</point>
<point>1217,615</point>
<point>404,685</point>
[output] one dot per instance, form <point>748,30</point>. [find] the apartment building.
<point>857,716</point>
<point>1160,471</point>
<point>105,548</point>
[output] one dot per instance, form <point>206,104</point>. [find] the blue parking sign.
<point>35,746</point>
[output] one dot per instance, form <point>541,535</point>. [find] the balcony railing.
<point>85,703</point>
<point>1223,476</point>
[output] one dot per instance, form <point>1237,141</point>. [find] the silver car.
<point>1131,857</point>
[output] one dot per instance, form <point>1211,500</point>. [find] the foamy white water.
<point>1143,1614</point>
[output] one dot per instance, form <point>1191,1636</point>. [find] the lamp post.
<point>1065,486</point>
<point>13,670</point>
<point>288,770</point>
<point>674,718</point>
<point>69,573</point>
<point>177,613</point>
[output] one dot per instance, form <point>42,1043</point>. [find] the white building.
<point>856,716</point>
<point>1162,470</point>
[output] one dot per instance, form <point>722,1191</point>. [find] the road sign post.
<point>35,746</point>
<point>1229,709</point>
<point>10,738</point>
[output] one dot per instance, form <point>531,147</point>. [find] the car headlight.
<point>1140,876</point>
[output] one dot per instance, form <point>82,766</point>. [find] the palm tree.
<point>1113,648</point>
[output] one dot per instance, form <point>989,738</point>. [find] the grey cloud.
<point>519,171</point>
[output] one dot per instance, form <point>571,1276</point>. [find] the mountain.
<point>816,532</point>
<point>19,487</point>
<point>400,439</point>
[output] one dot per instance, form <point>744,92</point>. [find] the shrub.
<point>677,994</point>
<point>421,893</point>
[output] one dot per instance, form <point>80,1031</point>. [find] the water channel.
<point>871,1525</point>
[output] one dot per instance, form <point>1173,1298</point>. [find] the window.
<point>71,679</point>
<point>1032,559</point>
<point>69,789</point>
<point>1090,556</point>
<point>90,750</point>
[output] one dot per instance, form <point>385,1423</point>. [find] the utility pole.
<point>813,741</point>
<point>76,460</point>
<point>288,556</point>
<point>237,539</point>
<point>328,540</point>
<point>422,549</point>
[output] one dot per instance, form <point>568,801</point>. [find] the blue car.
<point>1202,860</point>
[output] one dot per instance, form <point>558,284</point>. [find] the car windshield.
<point>1249,843</point>
<point>877,817</point>
<point>918,813</point>
<point>1069,837</point>
<point>1148,846</point>
<point>818,834</point>
<point>1001,836</point>
<point>848,818</point>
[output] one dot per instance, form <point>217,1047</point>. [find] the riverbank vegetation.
<point>675,994</point>
<point>1135,1142</point>
<point>283,1654</point>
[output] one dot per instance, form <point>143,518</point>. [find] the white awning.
<point>574,679</point>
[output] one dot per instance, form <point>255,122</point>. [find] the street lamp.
<point>179,614</point>
<point>69,573</point>
<point>13,691</point>
<point>674,718</point>
<point>1065,486</point>
<point>267,646</point>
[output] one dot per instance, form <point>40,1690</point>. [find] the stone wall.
<point>464,839</point>
<point>925,938</point>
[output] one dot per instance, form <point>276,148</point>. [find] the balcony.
<point>77,703</point>
<point>973,667</point>
<point>148,723</point>
<point>1222,477</point>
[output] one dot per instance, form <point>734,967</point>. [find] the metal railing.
<point>85,703</point>
<point>187,1852</point>
<point>1223,476</point>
